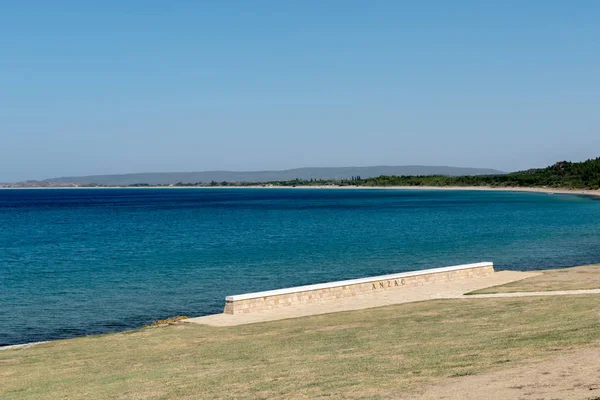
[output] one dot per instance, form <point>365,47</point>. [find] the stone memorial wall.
<point>324,292</point>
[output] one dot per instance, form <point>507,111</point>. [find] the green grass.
<point>374,353</point>
<point>585,277</point>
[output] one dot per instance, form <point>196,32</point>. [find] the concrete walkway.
<point>445,290</point>
<point>530,294</point>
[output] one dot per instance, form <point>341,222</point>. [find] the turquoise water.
<point>76,262</point>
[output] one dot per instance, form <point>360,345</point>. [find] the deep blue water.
<point>76,262</point>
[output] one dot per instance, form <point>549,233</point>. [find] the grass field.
<point>377,353</point>
<point>585,277</point>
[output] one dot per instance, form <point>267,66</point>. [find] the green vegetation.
<point>583,175</point>
<point>377,353</point>
<point>564,174</point>
<point>585,277</point>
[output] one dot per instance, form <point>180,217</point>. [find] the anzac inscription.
<point>388,284</point>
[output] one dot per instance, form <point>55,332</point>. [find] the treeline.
<point>564,174</point>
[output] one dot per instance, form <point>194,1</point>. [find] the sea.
<point>76,262</point>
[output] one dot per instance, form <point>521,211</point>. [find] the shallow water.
<point>76,262</point>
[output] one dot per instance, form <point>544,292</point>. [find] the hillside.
<point>563,174</point>
<point>334,173</point>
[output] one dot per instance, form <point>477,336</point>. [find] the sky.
<point>115,86</point>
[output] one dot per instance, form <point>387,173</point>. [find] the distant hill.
<point>336,173</point>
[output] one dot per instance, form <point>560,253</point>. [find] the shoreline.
<point>547,190</point>
<point>218,320</point>
<point>23,345</point>
<point>502,277</point>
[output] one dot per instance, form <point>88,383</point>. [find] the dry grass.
<point>376,353</point>
<point>585,277</point>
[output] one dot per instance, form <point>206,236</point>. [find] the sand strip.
<point>532,294</point>
<point>567,376</point>
<point>547,190</point>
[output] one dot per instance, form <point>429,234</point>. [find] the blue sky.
<point>147,86</point>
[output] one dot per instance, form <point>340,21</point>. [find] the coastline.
<point>23,345</point>
<point>548,190</point>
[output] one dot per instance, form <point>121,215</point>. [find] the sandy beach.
<point>473,188</point>
<point>503,189</point>
<point>548,190</point>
